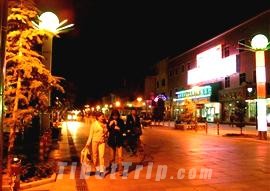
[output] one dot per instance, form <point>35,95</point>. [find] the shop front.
<point>207,108</point>
<point>228,98</point>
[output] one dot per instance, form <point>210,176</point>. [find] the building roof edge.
<point>222,34</point>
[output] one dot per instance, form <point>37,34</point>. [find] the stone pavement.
<point>235,163</point>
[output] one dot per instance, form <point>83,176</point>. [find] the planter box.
<point>190,126</point>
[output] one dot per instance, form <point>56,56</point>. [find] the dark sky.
<point>118,39</point>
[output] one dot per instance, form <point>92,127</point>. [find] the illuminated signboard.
<point>211,66</point>
<point>198,92</point>
<point>211,56</point>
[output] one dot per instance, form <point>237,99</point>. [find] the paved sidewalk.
<point>232,170</point>
<point>69,182</point>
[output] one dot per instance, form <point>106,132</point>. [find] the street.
<point>172,160</point>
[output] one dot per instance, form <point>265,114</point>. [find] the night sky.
<point>120,39</point>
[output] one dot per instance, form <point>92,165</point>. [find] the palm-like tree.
<point>27,81</point>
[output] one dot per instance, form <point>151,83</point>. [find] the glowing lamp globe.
<point>259,42</point>
<point>49,21</point>
<point>139,99</point>
<point>117,103</point>
<point>249,89</point>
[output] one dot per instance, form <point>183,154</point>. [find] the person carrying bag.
<point>86,156</point>
<point>97,139</point>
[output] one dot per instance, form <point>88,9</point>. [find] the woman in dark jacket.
<point>116,128</point>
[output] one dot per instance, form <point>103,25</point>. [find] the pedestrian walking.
<point>96,141</point>
<point>134,131</point>
<point>116,129</point>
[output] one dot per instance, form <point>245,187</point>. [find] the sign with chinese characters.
<point>194,93</point>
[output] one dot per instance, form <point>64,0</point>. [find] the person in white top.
<point>97,138</point>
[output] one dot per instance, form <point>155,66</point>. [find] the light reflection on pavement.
<point>236,164</point>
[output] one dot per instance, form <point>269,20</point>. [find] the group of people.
<point>116,133</point>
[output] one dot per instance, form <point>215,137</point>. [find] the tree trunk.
<point>12,131</point>
<point>12,137</point>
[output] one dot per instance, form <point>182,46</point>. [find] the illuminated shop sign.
<point>211,66</point>
<point>198,92</point>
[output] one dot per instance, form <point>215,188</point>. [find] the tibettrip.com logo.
<point>138,171</point>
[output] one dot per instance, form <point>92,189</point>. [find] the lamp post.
<point>50,23</point>
<point>259,44</point>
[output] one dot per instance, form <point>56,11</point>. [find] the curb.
<point>253,137</point>
<point>39,182</point>
<point>36,183</point>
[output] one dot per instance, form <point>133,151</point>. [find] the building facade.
<point>217,73</point>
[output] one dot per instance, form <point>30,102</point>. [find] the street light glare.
<point>117,103</point>
<point>249,89</point>
<point>139,99</point>
<point>259,42</point>
<point>48,21</point>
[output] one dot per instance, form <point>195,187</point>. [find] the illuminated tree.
<point>240,113</point>
<point>188,108</point>
<point>27,81</point>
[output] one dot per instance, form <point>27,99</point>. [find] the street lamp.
<point>139,99</point>
<point>50,24</point>
<point>259,44</point>
<point>117,103</point>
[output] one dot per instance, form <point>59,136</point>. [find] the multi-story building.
<point>162,77</point>
<point>149,87</point>
<point>217,73</point>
